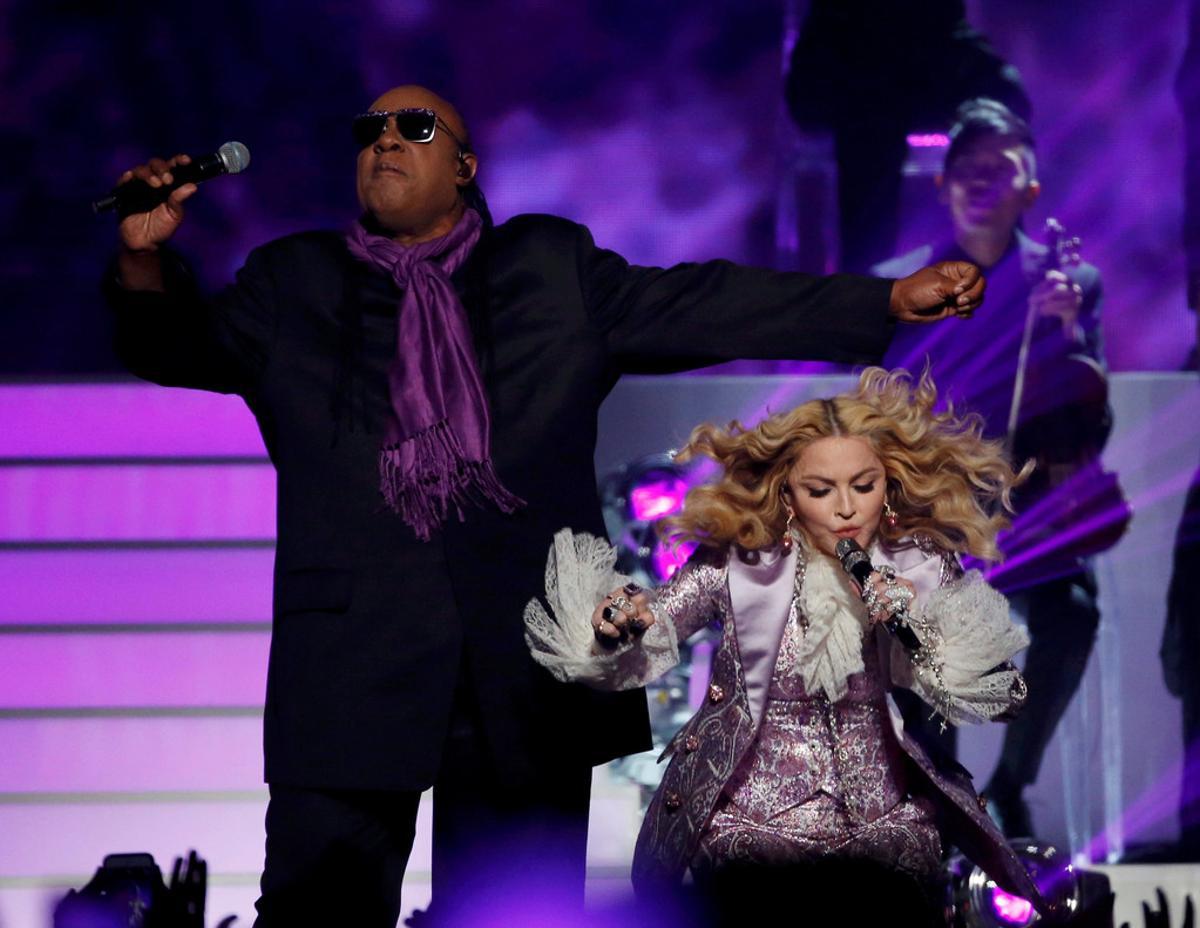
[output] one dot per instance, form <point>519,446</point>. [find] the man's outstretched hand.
<point>948,288</point>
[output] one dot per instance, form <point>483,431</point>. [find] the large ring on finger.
<point>607,613</point>
<point>888,572</point>
<point>898,594</point>
<point>624,605</point>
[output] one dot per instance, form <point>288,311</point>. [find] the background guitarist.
<point>988,183</point>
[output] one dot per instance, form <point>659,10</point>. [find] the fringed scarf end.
<point>422,476</point>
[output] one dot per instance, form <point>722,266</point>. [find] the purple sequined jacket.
<point>707,751</point>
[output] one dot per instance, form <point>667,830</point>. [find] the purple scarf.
<point>436,451</point>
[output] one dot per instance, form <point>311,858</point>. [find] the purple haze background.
<point>660,126</point>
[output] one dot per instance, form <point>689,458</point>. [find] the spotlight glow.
<point>669,558</point>
<point>928,140</point>
<point>656,499</point>
<point>1010,909</point>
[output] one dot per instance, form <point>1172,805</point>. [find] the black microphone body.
<point>857,563</point>
<point>137,196</point>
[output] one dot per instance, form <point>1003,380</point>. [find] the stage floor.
<point>25,902</point>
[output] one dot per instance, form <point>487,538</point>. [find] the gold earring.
<point>786,541</point>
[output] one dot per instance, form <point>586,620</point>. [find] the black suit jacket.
<point>371,626</point>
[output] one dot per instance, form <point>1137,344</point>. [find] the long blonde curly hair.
<point>945,481</point>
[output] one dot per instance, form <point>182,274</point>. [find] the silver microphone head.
<point>846,546</point>
<point>234,156</point>
<point>850,553</point>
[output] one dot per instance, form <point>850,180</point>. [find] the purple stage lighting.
<point>1010,909</point>
<point>928,140</point>
<point>668,558</point>
<point>635,497</point>
<point>657,498</point>
<point>976,901</point>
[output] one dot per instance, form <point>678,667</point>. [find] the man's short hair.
<point>983,117</point>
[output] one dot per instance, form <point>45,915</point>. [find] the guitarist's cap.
<point>984,117</point>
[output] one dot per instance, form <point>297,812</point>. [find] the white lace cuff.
<point>579,572</point>
<point>966,633</point>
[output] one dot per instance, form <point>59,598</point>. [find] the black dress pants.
<point>502,854</point>
<point>335,857</point>
<point>1180,654</point>
<point>1062,618</point>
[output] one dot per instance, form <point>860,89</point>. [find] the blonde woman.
<point>797,755</point>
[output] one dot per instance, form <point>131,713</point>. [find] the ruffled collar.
<point>834,623</point>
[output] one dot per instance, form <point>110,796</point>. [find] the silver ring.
<point>888,572</point>
<point>624,605</point>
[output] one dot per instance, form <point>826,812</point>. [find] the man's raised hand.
<point>144,232</point>
<point>948,288</point>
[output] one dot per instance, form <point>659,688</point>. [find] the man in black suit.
<point>989,181</point>
<point>397,657</point>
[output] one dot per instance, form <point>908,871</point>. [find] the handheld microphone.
<point>857,563</point>
<point>137,196</point>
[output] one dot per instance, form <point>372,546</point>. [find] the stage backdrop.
<point>659,125</point>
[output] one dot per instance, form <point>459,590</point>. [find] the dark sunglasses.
<point>417,124</point>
